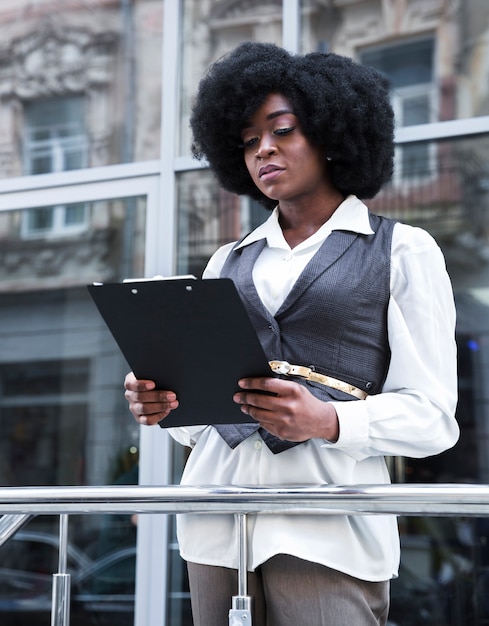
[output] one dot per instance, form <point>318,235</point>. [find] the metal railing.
<point>19,504</point>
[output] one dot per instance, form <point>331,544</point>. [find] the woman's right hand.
<point>147,404</point>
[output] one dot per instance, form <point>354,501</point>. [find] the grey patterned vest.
<point>335,317</point>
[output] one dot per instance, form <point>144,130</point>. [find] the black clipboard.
<point>191,336</point>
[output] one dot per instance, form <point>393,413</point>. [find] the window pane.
<point>449,58</point>
<point>416,110</point>
<point>58,221</point>
<point>444,561</point>
<point>75,214</point>
<point>73,160</point>
<point>41,164</point>
<point>43,378</point>
<point>208,217</point>
<point>445,190</point>
<point>414,161</point>
<point>40,220</point>
<point>55,128</point>
<point>105,55</point>
<point>405,64</point>
<point>63,416</point>
<point>212,29</point>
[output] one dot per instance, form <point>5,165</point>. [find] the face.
<point>282,162</point>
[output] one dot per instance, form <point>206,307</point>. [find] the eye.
<point>248,143</point>
<point>284,131</point>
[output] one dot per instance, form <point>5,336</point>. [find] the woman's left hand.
<point>291,412</point>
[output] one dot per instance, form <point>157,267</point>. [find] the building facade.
<point>97,183</point>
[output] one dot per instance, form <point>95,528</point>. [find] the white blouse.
<point>413,416</point>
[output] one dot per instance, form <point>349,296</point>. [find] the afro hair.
<point>342,106</point>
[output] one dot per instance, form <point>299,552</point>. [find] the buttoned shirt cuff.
<point>353,423</point>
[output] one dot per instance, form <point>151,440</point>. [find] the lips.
<point>269,171</point>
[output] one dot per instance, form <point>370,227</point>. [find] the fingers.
<point>131,383</point>
<point>267,393</point>
<point>266,399</point>
<point>268,384</point>
<point>287,409</point>
<point>147,404</point>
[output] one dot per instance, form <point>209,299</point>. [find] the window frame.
<point>56,148</point>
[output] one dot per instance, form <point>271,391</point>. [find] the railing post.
<point>60,607</point>
<point>240,613</point>
<point>10,524</point>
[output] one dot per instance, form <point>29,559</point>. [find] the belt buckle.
<point>280,367</point>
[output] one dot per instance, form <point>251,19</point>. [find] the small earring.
<point>329,158</point>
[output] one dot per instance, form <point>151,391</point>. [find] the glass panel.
<point>209,217</point>
<point>442,187</point>
<point>210,29</point>
<point>39,220</point>
<point>75,214</point>
<point>54,130</point>
<point>450,59</point>
<point>55,221</point>
<point>444,573</point>
<point>90,70</point>
<point>444,561</point>
<point>63,417</point>
<point>444,567</point>
<point>405,64</point>
<point>415,109</point>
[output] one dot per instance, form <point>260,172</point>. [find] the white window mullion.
<point>152,541</point>
<point>291,25</point>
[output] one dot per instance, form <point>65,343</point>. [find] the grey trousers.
<point>288,591</point>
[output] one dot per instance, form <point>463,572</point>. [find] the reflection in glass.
<point>209,217</point>
<point>56,138</point>
<point>71,244</point>
<point>444,571</point>
<point>446,65</point>
<point>63,416</point>
<point>80,84</point>
<point>211,29</point>
<point>433,59</point>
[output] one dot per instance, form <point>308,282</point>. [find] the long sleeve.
<point>414,416</point>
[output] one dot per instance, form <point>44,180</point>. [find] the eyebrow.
<point>275,114</point>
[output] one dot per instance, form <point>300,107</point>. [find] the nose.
<point>266,146</point>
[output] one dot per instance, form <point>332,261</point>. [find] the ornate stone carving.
<point>51,61</point>
<point>24,264</point>
<point>232,10</point>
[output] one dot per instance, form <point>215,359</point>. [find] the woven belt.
<point>282,367</point>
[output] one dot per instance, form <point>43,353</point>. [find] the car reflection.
<point>102,589</point>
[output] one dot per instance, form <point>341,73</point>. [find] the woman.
<point>359,308</point>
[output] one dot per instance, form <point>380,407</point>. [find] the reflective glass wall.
<point>435,55</point>
<point>63,417</point>
<point>81,90</point>
<point>80,86</point>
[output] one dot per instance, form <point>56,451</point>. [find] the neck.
<point>299,222</point>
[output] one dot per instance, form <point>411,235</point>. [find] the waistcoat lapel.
<point>233,434</point>
<point>244,275</point>
<point>331,250</point>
